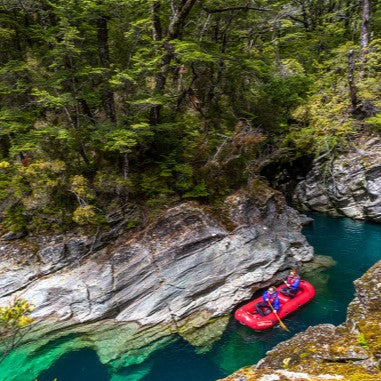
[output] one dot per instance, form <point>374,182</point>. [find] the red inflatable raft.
<point>246,316</point>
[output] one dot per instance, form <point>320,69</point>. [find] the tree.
<point>136,97</point>
<point>14,324</point>
<point>364,35</point>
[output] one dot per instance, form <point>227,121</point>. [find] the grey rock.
<point>348,185</point>
<point>181,271</point>
<point>305,220</point>
<point>13,235</point>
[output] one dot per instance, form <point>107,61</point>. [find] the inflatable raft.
<point>246,315</point>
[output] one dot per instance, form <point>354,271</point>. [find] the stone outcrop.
<point>190,266</point>
<point>347,185</point>
<point>350,351</point>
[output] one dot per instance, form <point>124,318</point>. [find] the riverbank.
<point>351,243</point>
<point>183,273</point>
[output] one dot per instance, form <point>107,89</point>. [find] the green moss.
<point>286,362</point>
<point>260,191</point>
<point>370,329</point>
<point>220,212</point>
<point>133,222</point>
<point>15,219</point>
<point>348,370</point>
<point>362,341</point>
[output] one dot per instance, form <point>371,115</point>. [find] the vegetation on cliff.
<point>13,318</point>
<point>106,102</point>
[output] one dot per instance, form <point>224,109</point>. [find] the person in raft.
<point>292,284</point>
<point>271,295</point>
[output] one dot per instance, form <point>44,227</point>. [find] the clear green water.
<point>354,245</point>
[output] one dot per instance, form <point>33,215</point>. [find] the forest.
<point>110,105</point>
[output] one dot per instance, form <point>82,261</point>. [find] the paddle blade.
<point>283,325</point>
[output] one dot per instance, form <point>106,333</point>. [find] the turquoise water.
<point>354,245</point>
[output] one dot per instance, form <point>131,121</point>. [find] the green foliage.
<point>375,121</point>
<point>199,190</point>
<point>15,316</point>
<point>38,182</point>
<point>13,319</point>
<point>85,215</point>
<point>123,140</point>
<point>80,187</point>
<point>15,219</point>
<point>361,340</point>
<point>5,179</point>
<point>103,102</point>
<point>190,52</point>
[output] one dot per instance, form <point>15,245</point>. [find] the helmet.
<point>272,289</point>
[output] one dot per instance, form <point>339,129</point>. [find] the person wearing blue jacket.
<point>292,284</point>
<point>271,295</point>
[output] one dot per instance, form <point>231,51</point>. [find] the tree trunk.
<point>351,82</point>
<point>176,25</point>
<point>103,50</point>
<point>306,23</point>
<point>364,36</point>
<point>175,29</point>
<point>274,41</point>
<point>161,80</point>
<point>157,32</point>
<point>126,166</point>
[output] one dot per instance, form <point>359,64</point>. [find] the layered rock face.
<point>351,351</point>
<point>189,266</point>
<point>348,185</point>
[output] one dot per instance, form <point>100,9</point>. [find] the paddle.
<point>276,314</point>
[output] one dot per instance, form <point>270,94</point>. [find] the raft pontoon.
<point>246,315</point>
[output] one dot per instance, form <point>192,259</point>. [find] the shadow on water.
<point>354,245</point>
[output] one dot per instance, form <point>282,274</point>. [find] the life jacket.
<point>293,281</point>
<point>273,298</point>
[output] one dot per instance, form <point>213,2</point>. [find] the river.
<point>354,245</point>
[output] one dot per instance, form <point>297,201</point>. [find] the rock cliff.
<point>350,351</point>
<point>191,265</point>
<point>348,184</point>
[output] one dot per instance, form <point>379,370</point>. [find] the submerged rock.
<point>350,351</point>
<point>190,266</point>
<point>347,185</point>
<point>317,265</point>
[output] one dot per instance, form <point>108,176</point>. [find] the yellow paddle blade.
<point>276,314</point>
<point>283,325</point>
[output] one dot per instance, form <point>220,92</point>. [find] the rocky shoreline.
<point>185,271</point>
<point>350,351</point>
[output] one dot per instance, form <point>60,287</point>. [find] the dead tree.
<point>364,36</point>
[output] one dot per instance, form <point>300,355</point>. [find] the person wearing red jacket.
<point>292,284</point>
